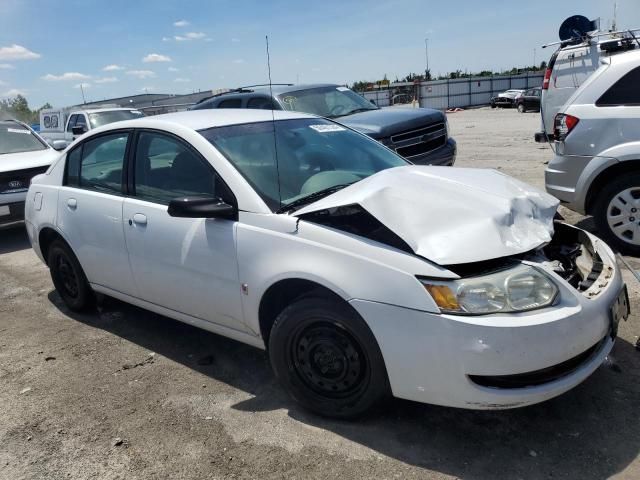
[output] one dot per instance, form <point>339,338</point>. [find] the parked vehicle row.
<point>60,127</point>
<point>360,273</point>
<point>420,135</point>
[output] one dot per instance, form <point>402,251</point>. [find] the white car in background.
<point>361,274</point>
<point>23,155</point>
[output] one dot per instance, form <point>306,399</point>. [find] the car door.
<point>90,209</point>
<point>188,265</point>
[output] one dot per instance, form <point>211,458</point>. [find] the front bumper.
<point>16,209</point>
<point>443,156</point>
<point>432,358</point>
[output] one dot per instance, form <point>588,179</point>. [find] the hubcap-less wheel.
<point>328,360</point>
<point>67,275</point>
<point>623,215</point>
<point>521,108</point>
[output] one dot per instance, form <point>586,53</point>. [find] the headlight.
<point>513,290</point>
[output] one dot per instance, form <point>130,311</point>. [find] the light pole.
<point>426,52</point>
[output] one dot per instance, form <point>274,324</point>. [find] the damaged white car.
<point>362,275</point>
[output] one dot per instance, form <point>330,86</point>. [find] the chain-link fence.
<point>452,93</point>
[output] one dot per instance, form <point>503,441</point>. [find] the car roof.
<point>266,90</point>
<point>100,110</point>
<point>203,119</point>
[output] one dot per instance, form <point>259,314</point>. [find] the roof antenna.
<point>273,122</point>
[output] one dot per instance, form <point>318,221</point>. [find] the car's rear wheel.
<point>69,278</point>
<point>327,359</point>
<point>522,108</point>
<point>617,214</point>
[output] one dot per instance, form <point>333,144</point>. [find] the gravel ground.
<point>123,393</point>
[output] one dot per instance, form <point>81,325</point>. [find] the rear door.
<point>90,209</point>
<point>188,265</point>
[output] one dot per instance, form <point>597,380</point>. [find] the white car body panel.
<point>169,267</point>
<point>457,207</point>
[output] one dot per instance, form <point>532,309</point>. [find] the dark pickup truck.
<point>418,134</point>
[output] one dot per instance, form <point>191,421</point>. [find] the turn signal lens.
<point>443,296</point>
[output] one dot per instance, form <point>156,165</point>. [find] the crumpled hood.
<point>452,215</point>
<point>10,162</point>
<point>384,122</point>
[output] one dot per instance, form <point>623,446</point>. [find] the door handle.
<point>139,219</point>
<point>72,203</point>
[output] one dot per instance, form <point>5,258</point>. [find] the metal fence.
<point>452,93</point>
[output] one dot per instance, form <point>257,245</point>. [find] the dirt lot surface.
<point>123,393</point>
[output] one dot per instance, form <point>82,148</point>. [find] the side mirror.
<point>201,207</point>
<point>59,144</point>
<point>79,130</point>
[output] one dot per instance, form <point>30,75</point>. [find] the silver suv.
<point>596,167</point>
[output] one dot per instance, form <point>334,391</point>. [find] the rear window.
<point>625,91</point>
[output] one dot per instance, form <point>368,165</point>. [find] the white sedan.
<point>23,155</point>
<point>362,275</point>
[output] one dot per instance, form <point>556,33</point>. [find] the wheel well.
<point>604,177</point>
<point>281,294</point>
<point>46,237</point>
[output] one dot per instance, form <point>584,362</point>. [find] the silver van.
<point>570,66</point>
<point>596,167</point>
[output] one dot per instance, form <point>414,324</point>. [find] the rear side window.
<point>231,103</point>
<point>625,91</point>
<point>97,164</point>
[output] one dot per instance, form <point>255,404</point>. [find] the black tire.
<point>69,278</point>
<point>625,242</point>
<point>327,358</point>
<point>522,108</point>
<point>493,105</point>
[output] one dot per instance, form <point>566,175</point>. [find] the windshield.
<point>313,155</point>
<point>15,138</point>
<point>102,118</point>
<point>328,102</point>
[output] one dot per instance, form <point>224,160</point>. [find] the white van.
<point>570,65</point>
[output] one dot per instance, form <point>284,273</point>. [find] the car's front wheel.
<point>522,108</point>
<point>617,214</point>
<point>327,358</point>
<point>69,278</point>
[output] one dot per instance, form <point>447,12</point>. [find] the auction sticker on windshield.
<point>327,128</point>
<point>18,130</point>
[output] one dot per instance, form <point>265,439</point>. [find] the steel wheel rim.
<point>623,215</point>
<point>67,276</point>
<point>328,360</point>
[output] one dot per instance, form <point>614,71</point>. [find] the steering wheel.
<point>337,110</point>
<point>318,158</point>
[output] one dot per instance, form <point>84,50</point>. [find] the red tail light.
<point>547,79</point>
<point>563,125</point>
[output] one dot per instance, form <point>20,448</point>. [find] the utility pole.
<point>82,90</point>
<point>426,52</point>
<point>534,57</point>
<point>614,27</point>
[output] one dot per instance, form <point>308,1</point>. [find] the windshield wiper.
<point>356,110</point>
<point>312,197</point>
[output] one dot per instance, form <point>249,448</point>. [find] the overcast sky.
<point>123,47</point>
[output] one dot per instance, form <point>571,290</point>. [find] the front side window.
<point>262,103</point>
<point>72,122</point>
<point>165,168</point>
<point>15,138</point>
<point>625,91</point>
<point>99,119</point>
<point>312,155</point>
<point>81,121</point>
<point>330,102</point>
<point>231,103</point>
<point>97,164</point>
